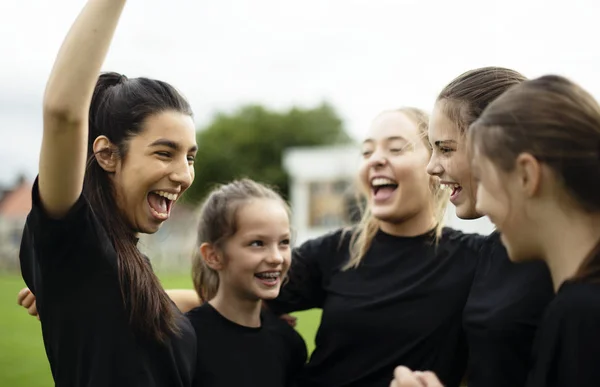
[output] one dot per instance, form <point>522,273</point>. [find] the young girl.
<point>116,154</point>
<point>243,257</point>
<point>537,165</point>
<point>503,310</point>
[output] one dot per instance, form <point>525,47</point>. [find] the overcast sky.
<point>362,56</point>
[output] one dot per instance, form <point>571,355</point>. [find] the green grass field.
<point>23,360</point>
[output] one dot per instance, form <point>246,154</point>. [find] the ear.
<point>105,153</point>
<point>529,172</point>
<point>212,256</point>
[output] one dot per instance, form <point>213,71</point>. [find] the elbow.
<point>63,114</point>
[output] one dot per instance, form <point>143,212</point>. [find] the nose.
<point>377,159</point>
<point>275,257</point>
<point>433,167</point>
<point>182,173</point>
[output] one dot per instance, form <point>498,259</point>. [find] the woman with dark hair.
<point>116,154</point>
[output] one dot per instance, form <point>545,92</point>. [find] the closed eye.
<point>163,154</point>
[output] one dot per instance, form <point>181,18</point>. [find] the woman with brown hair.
<point>536,160</point>
<point>503,310</point>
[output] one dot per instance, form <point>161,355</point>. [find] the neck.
<point>243,312</point>
<point>565,251</point>
<point>416,225</point>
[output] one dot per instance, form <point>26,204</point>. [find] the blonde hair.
<point>218,222</point>
<point>364,232</point>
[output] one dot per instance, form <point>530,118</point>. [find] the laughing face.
<point>392,172</point>
<point>156,171</point>
<point>257,257</point>
<point>450,162</point>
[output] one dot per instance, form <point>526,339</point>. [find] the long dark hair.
<point>118,110</point>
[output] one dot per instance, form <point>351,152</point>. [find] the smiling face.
<point>156,170</point>
<point>392,172</point>
<point>257,257</point>
<point>503,199</point>
<point>450,162</point>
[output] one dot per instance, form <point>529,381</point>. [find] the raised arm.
<point>67,101</point>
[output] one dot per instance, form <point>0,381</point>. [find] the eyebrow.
<point>392,138</point>
<point>262,237</point>
<point>171,144</point>
<point>444,142</point>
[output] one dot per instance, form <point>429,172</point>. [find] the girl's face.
<point>502,197</point>
<point>156,170</point>
<point>450,162</point>
<point>392,173</point>
<point>257,257</point>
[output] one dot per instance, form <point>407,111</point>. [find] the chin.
<point>149,228</point>
<point>467,211</point>
<point>384,214</point>
<point>268,294</point>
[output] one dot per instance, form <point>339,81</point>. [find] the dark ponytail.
<point>118,110</point>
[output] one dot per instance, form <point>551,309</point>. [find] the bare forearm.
<point>80,58</point>
<point>67,102</point>
<point>185,299</point>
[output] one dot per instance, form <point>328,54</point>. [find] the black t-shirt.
<point>71,266</point>
<point>230,354</point>
<point>503,311</point>
<point>567,345</point>
<point>402,306</point>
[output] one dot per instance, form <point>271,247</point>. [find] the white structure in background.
<point>321,191</point>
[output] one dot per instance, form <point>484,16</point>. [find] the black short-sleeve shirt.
<point>71,266</point>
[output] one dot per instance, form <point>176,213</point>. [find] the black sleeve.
<point>569,347</point>
<point>299,357</point>
<point>304,288</point>
<point>52,238</point>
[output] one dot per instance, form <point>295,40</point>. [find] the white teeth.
<point>170,196</point>
<point>271,274</point>
<point>379,181</point>
<point>159,214</point>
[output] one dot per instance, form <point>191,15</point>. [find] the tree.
<point>250,143</point>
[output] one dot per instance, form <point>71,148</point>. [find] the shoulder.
<point>325,245</point>
<point>329,241</point>
<point>576,301</point>
<point>278,327</point>
<point>200,315</point>
<point>465,241</point>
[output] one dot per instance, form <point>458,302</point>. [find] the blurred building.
<point>15,204</point>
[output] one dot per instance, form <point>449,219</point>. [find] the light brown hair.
<point>465,97</point>
<point>558,123</point>
<point>218,222</point>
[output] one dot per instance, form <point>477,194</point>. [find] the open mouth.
<point>383,188</point>
<point>269,278</point>
<point>455,189</point>
<point>160,203</point>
